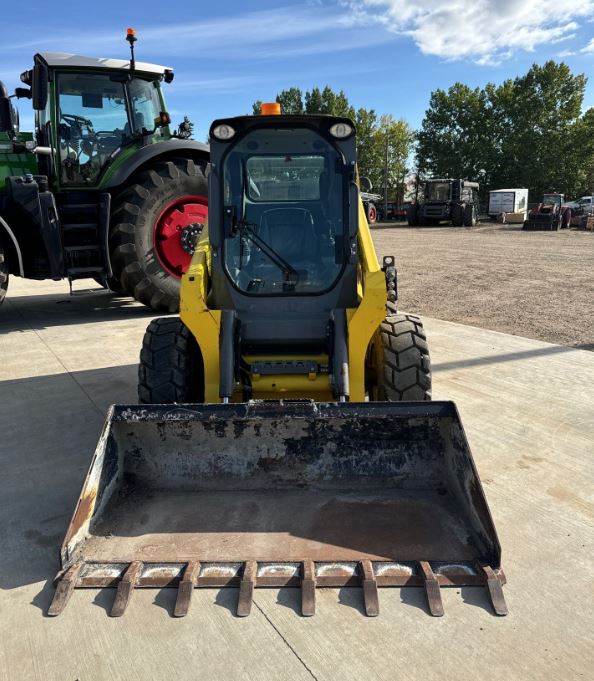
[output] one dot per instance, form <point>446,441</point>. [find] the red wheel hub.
<point>175,232</point>
<point>372,214</point>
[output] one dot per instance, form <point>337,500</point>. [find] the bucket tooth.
<point>369,584</point>
<point>308,589</point>
<point>64,590</point>
<point>125,589</point>
<point>186,588</point>
<point>246,588</point>
<point>495,590</point>
<point>431,589</point>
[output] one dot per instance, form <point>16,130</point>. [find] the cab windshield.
<point>552,198</point>
<point>437,191</point>
<point>97,113</point>
<point>286,191</point>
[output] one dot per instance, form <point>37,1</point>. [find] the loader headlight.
<point>341,130</point>
<point>223,132</point>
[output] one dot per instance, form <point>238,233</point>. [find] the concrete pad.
<point>528,410</point>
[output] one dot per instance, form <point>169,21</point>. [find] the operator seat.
<point>290,232</point>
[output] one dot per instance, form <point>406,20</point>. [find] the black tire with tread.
<point>3,276</point>
<point>470,215</point>
<point>406,370</point>
<point>136,209</point>
<point>412,215</point>
<point>170,369</point>
<point>111,284</point>
<point>458,215</point>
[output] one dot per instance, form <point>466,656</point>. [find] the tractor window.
<point>146,104</point>
<point>287,192</point>
<point>552,199</point>
<point>93,122</point>
<point>437,191</point>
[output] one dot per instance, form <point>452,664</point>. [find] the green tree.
<point>526,132</point>
<point>372,133</point>
<point>291,101</point>
<point>455,134</point>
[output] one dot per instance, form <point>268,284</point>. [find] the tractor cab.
<point>553,200</point>
<point>97,108</point>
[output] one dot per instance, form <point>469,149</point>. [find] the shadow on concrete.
<point>498,359</point>
<point>414,597</point>
<point>352,597</point>
<point>165,598</point>
<point>48,439</point>
<point>227,598</point>
<point>104,599</point>
<point>290,598</point>
<point>43,599</point>
<point>44,311</point>
<point>477,596</point>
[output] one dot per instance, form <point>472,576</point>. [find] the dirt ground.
<point>533,284</point>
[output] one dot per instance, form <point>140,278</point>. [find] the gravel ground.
<point>533,284</point>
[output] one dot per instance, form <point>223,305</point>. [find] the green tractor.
<point>102,189</point>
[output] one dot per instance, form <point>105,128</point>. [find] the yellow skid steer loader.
<point>285,435</point>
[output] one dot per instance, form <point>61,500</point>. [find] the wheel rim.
<point>176,231</point>
<point>372,215</point>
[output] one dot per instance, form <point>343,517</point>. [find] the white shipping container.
<point>508,201</point>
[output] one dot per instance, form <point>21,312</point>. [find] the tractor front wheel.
<point>458,212</point>
<point>3,276</point>
<point>155,226</point>
<point>412,215</point>
<point>470,215</point>
<point>171,369</point>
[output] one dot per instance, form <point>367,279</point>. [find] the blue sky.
<point>385,54</point>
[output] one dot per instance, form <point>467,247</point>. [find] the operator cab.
<point>100,107</point>
<point>284,191</point>
<point>98,114</point>
<point>553,199</point>
<point>283,224</point>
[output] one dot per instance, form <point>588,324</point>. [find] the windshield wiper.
<point>290,274</point>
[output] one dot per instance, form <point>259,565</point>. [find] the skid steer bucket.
<point>281,494</point>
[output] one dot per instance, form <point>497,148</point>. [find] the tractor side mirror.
<point>39,89</point>
<point>365,184</point>
<point>23,93</point>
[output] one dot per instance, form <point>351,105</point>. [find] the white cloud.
<point>589,49</point>
<point>486,31</point>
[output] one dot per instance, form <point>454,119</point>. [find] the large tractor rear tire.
<point>156,221</point>
<point>171,368</point>
<point>3,276</point>
<point>111,284</point>
<point>400,364</point>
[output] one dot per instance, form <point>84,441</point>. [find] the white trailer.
<point>512,204</point>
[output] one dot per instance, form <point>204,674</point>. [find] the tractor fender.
<point>5,230</point>
<point>170,148</point>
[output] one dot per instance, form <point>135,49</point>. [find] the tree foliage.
<point>374,134</point>
<point>527,132</point>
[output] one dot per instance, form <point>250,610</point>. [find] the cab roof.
<point>66,60</point>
